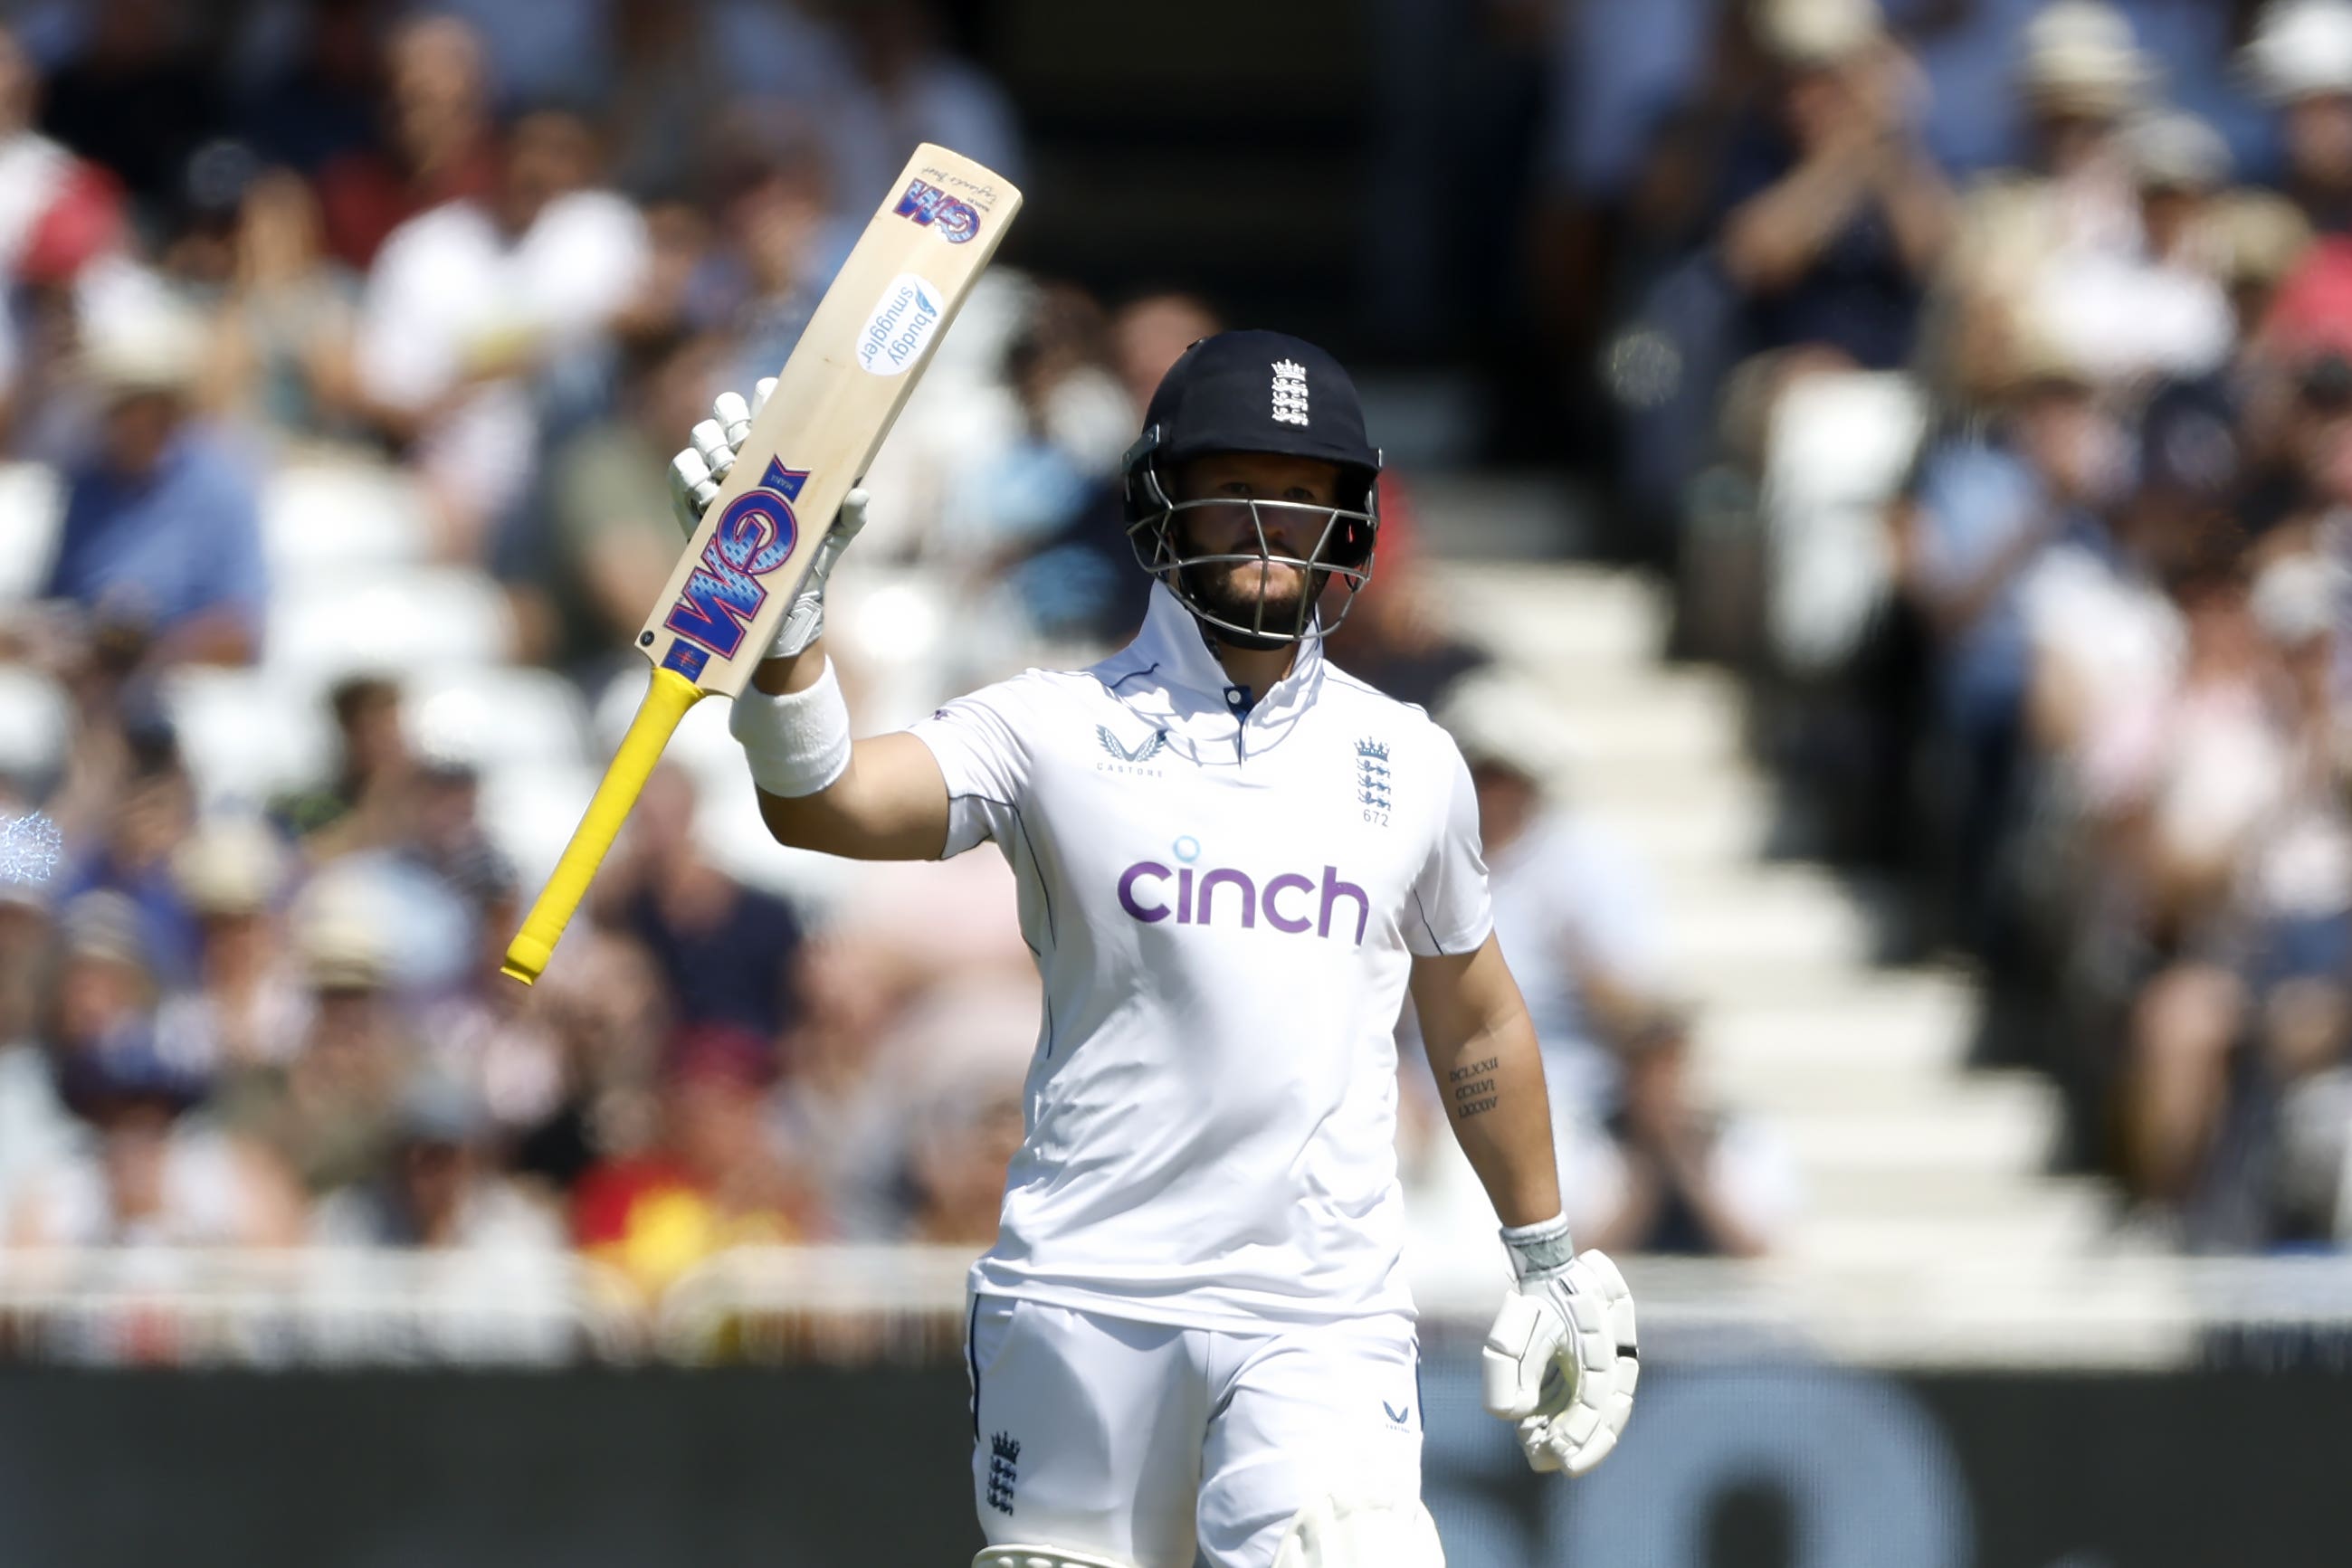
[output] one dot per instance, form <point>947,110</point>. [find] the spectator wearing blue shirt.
<point>161,545</point>
<point>1834,216</point>
<point>1982,507</point>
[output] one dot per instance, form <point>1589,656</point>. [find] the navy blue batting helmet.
<point>1256,391</point>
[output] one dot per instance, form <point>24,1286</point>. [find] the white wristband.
<point>797,743</point>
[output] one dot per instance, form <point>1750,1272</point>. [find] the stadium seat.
<point>330,523</point>
<point>248,734</point>
<point>32,505</point>
<point>36,722</point>
<point>496,716</point>
<point>391,622</point>
<point>1838,446</point>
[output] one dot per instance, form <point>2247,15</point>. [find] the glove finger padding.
<point>1519,1358</point>
<point>734,418</point>
<point>692,489</point>
<point>709,440</point>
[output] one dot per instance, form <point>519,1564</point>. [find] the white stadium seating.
<point>32,505</point>
<point>326,525</point>
<point>391,622</point>
<point>36,722</point>
<point>496,716</point>
<point>248,734</point>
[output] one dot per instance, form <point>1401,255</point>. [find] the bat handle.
<point>666,703</point>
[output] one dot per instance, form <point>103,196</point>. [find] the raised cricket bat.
<point>834,401</point>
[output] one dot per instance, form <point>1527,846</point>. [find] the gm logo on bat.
<point>723,597</point>
<point>927,205</point>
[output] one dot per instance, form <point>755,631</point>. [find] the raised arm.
<point>883,799</point>
<point>889,804</point>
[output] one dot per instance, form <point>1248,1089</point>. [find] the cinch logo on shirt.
<point>1290,902</point>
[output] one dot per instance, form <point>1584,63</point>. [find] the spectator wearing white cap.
<point>2300,58</point>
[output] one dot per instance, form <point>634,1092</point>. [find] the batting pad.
<point>1337,1532</point>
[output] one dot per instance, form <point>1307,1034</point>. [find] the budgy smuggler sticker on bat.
<point>900,323</point>
<point>723,595</point>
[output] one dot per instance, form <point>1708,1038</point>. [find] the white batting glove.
<point>696,474</point>
<point>1560,1360</point>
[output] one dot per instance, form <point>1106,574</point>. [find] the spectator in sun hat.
<point>2080,77</point>
<point>161,540</point>
<point>333,1110</point>
<point>247,1009</point>
<point>105,984</point>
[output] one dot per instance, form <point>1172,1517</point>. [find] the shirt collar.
<point>1172,655</point>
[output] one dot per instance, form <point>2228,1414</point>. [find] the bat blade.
<point>835,398</point>
<point>835,402</point>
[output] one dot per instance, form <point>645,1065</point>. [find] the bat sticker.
<point>901,322</point>
<point>927,205</point>
<point>755,536</point>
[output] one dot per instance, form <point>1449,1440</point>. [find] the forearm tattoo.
<point>1472,1087</point>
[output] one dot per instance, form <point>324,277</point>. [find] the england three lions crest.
<point>1372,781</point>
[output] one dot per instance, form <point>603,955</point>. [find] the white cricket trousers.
<point>1172,1447</point>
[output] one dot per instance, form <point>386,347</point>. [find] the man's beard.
<point>1230,591</point>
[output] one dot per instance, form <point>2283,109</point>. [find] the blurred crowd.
<point>292,275</point>
<point>1985,369</point>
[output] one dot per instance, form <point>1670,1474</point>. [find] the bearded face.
<point>1261,584</point>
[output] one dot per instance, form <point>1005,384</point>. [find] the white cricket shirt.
<point>1224,911</point>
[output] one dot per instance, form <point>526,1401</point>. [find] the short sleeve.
<point>1451,910</point>
<point>977,743</point>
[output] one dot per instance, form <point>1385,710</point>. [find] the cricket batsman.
<point>1193,1341</point>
